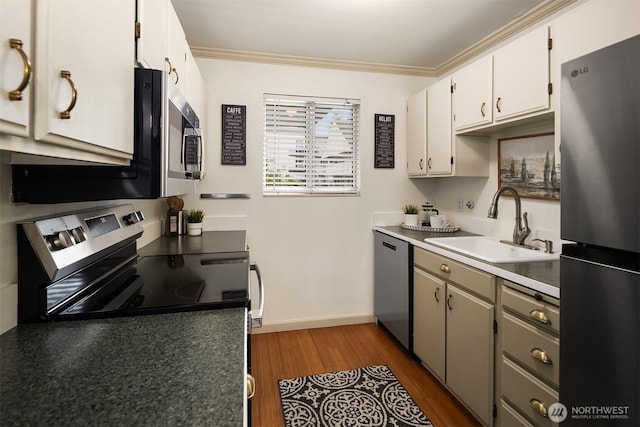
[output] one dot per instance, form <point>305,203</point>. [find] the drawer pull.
<point>445,268</point>
<point>539,407</point>
<point>540,355</point>
<point>436,294</point>
<point>251,386</point>
<point>540,316</point>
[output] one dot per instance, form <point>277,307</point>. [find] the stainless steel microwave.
<point>167,157</point>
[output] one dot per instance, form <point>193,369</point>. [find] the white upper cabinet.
<point>152,28</point>
<point>83,76</point>
<point>473,94</point>
<point>432,148</point>
<point>511,84</point>
<point>439,160</point>
<point>521,76</point>
<point>194,87</point>
<point>15,66</point>
<point>162,45</point>
<point>417,134</point>
<point>177,56</point>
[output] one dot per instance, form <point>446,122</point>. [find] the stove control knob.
<point>78,234</point>
<point>61,240</point>
<point>133,217</point>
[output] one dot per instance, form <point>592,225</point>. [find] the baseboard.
<point>327,322</point>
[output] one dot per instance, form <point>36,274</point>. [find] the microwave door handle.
<point>183,151</point>
<point>256,320</point>
<point>201,154</point>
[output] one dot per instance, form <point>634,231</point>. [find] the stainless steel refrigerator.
<point>600,211</point>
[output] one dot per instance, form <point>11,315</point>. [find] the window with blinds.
<point>311,145</point>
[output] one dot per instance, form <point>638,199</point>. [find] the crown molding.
<point>306,61</point>
<point>536,15</point>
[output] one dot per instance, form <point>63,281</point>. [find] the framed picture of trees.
<point>528,164</point>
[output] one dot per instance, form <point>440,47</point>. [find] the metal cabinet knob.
<point>445,268</point>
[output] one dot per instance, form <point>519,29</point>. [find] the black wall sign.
<point>234,134</point>
<point>385,126</point>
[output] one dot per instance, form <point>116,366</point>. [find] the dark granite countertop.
<point>542,276</point>
<point>208,242</point>
<point>166,369</point>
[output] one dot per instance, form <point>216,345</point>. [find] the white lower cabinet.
<point>453,328</point>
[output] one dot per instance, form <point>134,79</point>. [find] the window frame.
<point>328,125</point>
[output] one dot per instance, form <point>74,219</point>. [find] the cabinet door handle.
<point>66,114</point>
<point>389,245</point>
<point>251,386</point>
<point>420,164</point>
<point>16,95</point>
<point>173,70</point>
<point>498,105</point>
<point>482,108</point>
<point>540,316</point>
<point>436,294</point>
<point>429,163</point>
<point>449,302</point>
<point>539,407</point>
<point>445,268</point>
<point>540,355</point>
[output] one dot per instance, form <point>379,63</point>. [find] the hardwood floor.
<point>298,353</point>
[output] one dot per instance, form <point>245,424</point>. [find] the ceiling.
<point>406,33</point>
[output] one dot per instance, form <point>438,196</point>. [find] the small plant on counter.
<point>410,209</point>
<point>195,216</point>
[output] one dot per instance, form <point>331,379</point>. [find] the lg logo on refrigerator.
<point>576,73</point>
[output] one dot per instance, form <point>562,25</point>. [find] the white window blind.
<point>311,145</point>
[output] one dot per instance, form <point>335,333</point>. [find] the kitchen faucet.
<point>521,231</point>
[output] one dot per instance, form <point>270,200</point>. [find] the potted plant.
<point>194,222</point>
<point>411,214</point>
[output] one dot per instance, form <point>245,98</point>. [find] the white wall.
<point>315,253</point>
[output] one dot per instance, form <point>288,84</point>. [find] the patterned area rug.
<point>370,396</point>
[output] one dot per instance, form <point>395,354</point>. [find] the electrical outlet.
<point>460,204</point>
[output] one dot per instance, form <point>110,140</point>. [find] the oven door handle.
<point>256,320</point>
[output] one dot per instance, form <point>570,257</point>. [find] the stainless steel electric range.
<point>86,265</point>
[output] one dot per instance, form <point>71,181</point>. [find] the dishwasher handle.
<point>256,320</point>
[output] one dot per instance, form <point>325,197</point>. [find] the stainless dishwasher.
<point>392,287</point>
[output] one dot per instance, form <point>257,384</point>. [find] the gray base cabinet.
<point>453,328</point>
<point>429,296</point>
<point>529,362</point>
<point>470,350</point>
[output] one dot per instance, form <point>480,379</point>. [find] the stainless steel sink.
<point>491,250</point>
